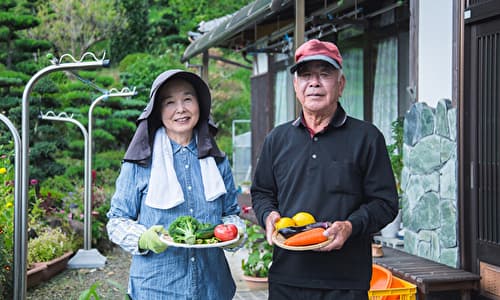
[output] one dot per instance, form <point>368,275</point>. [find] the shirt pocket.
<point>342,178</point>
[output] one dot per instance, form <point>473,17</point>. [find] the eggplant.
<point>287,232</point>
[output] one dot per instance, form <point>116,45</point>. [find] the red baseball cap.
<point>317,50</point>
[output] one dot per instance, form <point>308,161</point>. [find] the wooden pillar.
<point>413,51</point>
<point>204,67</point>
<point>299,23</point>
<point>299,35</point>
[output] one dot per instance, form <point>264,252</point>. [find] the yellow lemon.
<point>303,218</point>
<point>284,222</point>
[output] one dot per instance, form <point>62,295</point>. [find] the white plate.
<point>169,241</point>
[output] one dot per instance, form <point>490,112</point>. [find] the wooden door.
<point>481,140</point>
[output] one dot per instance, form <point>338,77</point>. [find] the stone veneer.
<point>429,182</point>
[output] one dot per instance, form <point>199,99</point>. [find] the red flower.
<point>7,268</point>
<point>34,182</point>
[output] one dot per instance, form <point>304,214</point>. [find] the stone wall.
<point>429,182</point>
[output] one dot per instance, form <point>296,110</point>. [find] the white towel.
<point>164,190</point>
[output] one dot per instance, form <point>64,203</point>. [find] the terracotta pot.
<point>255,279</point>
<point>44,271</point>
<point>256,283</point>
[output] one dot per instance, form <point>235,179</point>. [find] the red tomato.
<point>225,232</point>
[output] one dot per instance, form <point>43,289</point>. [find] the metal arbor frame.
<point>87,257</point>
<point>20,207</point>
<point>20,275</point>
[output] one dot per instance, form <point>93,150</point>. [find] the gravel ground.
<point>70,283</point>
<point>113,279</point>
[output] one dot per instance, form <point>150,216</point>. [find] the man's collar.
<point>338,119</point>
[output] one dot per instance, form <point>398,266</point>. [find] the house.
<point>436,63</point>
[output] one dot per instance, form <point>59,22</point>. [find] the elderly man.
<point>332,166</point>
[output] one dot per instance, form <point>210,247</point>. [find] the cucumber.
<point>205,233</point>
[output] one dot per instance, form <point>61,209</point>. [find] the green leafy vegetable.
<point>183,230</point>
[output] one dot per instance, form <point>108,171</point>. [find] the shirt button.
<point>183,149</point>
<point>191,210</point>
<point>314,156</point>
<point>186,166</point>
<point>315,139</point>
<point>193,259</point>
<point>189,187</point>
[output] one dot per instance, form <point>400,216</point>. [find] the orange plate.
<point>279,240</point>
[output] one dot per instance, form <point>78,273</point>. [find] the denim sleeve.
<point>242,231</point>
<point>122,226</point>
<point>231,206</point>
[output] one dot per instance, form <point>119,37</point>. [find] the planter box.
<point>36,275</point>
<point>46,270</point>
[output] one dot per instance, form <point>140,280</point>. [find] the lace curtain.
<point>284,103</point>
<point>385,94</point>
<point>352,97</point>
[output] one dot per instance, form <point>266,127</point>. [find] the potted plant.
<point>395,151</point>
<point>260,253</point>
<point>48,254</point>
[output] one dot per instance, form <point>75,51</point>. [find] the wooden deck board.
<point>429,276</point>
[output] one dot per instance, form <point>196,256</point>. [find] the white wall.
<point>435,50</point>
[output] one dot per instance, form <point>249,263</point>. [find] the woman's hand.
<point>150,239</point>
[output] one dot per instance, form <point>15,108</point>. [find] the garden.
<point>141,39</point>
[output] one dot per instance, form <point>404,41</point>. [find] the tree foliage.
<point>131,38</point>
<point>150,35</point>
<point>75,26</point>
<point>191,12</point>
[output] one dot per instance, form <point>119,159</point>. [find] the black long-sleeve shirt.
<point>341,173</point>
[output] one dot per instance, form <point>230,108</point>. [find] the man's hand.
<point>150,239</point>
<point>271,219</point>
<point>340,231</point>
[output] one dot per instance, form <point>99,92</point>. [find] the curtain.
<point>284,98</point>
<point>385,94</point>
<point>352,97</point>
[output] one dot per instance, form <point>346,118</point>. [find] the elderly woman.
<point>173,168</point>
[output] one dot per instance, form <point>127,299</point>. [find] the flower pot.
<point>255,283</point>
<point>254,279</point>
<point>391,229</point>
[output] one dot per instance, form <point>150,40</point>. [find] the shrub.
<point>6,221</point>
<point>50,243</point>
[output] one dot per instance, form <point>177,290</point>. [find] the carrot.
<point>308,237</point>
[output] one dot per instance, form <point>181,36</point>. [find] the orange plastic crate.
<point>399,289</point>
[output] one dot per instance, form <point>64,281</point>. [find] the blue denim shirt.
<point>177,273</point>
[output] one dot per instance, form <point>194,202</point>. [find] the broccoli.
<point>183,230</point>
